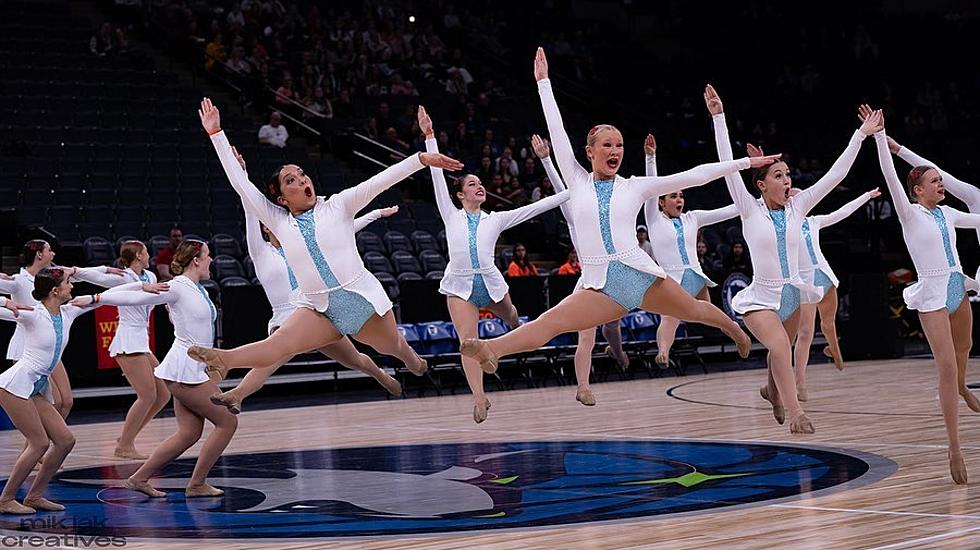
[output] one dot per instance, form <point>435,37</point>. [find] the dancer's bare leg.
<point>305,330</point>
<point>666,297</point>
<point>62,387</point>
<point>347,355</point>
<point>776,337</point>
<point>381,333</point>
<point>828,326</point>
<point>666,332</point>
<point>583,366</point>
<point>801,351</point>
<point>62,442</point>
<point>190,426</point>
<point>163,394</point>
<point>139,373</point>
<point>24,416</point>
<point>466,317</point>
<point>612,333</point>
<point>505,310</point>
<point>936,325</point>
<point>961,324</point>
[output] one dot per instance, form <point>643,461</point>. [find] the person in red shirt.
<point>521,266</point>
<point>571,267</point>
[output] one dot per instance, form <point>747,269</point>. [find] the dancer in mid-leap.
<point>279,283</point>
<point>618,275</point>
<point>773,227</point>
<point>940,294</point>
<point>674,238</point>
<point>337,296</point>
<point>472,281</point>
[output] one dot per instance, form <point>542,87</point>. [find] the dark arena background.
<point>101,143</point>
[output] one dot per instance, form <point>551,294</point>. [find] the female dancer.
<point>586,337</point>
<point>971,196</point>
<point>193,316</point>
<point>25,390</point>
<point>773,229</point>
<point>37,255</point>
<point>618,275</point>
<point>337,295</point>
<point>279,284</point>
<point>940,295</point>
<point>472,281</point>
<point>674,236</point>
<point>816,271</point>
<point>131,349</point>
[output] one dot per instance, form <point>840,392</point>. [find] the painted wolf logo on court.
<point>415,489</point>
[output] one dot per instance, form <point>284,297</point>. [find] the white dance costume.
<point>133,330</point>
<point>319,243</point>
<point>675,240</point>
<point>959,188</point>
<point>193,316</point>
<point>21,286</point>
<point>605,211</point>
<point>930,236</point>
<point>815,270</point>
<point>45,337</point>
<point>774,236</point>
<point>471,274</point>
<point>273,271</point>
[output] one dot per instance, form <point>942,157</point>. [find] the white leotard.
<point>811,256</point>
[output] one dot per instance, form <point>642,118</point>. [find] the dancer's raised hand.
<point>753,151</point>
<point>540,146</point>
<point>540,65</point>
<point>765,160</point>
<point>438,160</point>
<point>875,193</point>
<point>871,122</point>
<point>390,211</point>
<point>210,116</point>
<point>650,145</point>
<point>425,122</point>
<point>713,101</point>
<point>114,271</point>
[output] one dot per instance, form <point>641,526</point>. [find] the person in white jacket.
<point>940,293</point>
<point>26,394</point>
<point>37,255</point>
<point>472,280</point>
<point>337,296</point>
<point>674,240</point>
<point>279,283</point>
<point>773,228</point>
<point>617,273</point>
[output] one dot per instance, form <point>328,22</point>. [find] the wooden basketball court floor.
<point>880,413</point>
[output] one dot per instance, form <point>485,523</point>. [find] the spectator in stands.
<point>274,133</point>
<point>708,260</point>
<point>108,40</point>
<point>543,189</point>
<point>392,140</point>
<point>285,94</point>
<point>643,238</point>
<point>738,260</point>
<point>571,267</point>
<point>506,163</point>
<point>521,265</point>
<point>236,63</point>
<point>214,52</point>
<point>165,256</point>
<point>318,103</point>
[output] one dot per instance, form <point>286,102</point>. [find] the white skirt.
<point>177,366</point>
<point>767,293</point>
<point>15,348</point>
<point>677,274</point>
<point>130,340</point>
<point>20,380</point>
<point>929,293</point>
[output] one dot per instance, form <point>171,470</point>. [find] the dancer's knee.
<point>38,445</point>
<point>64,442</point>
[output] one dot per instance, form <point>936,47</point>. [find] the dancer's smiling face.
<point>295,189</point>
<point>775,183</point>
<point>471,191</point>
<point>672,204</point>
<point>927,189</point>
<point>605,150</point>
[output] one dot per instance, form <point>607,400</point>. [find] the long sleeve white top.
<point>273,271</point>
<point>811,256</point>
<point>773,265</point>
<point>675,245</point>
<point>458,278</point>
<point>319,244</point>
<point>930,236</point>
<point>193,316</point>
<point>628,196</point>
<point>22,285</point>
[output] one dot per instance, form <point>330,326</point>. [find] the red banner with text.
<point>106,321</point>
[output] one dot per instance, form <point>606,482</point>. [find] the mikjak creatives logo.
<point>403,490</point>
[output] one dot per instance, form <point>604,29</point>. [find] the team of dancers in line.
<point>303,248</point>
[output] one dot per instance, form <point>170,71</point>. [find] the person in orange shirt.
<point>571,267</point>
<point>521,266</point>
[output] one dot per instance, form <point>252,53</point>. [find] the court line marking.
<point>907,543</point>
<point>878,512</point>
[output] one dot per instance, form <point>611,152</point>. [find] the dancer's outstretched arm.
<point>117,297</point>
<point>743,200</point>
<point>11,311</point>
<point>444,201</point>
<point>361,222</point>
<point>652,187</point>
<point>718,215</point>
<point>104,276</point>
<point>963,219</point>
<point>8,285</point>
<point>354,199</point>
<point>564,154</point>
<point>809,197</point>
<point>960,189</point>
<point>826,220</point>
<point>513,217</point>
<point>903,206</point>
<point>543,152</point>
<point>652,206</point>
